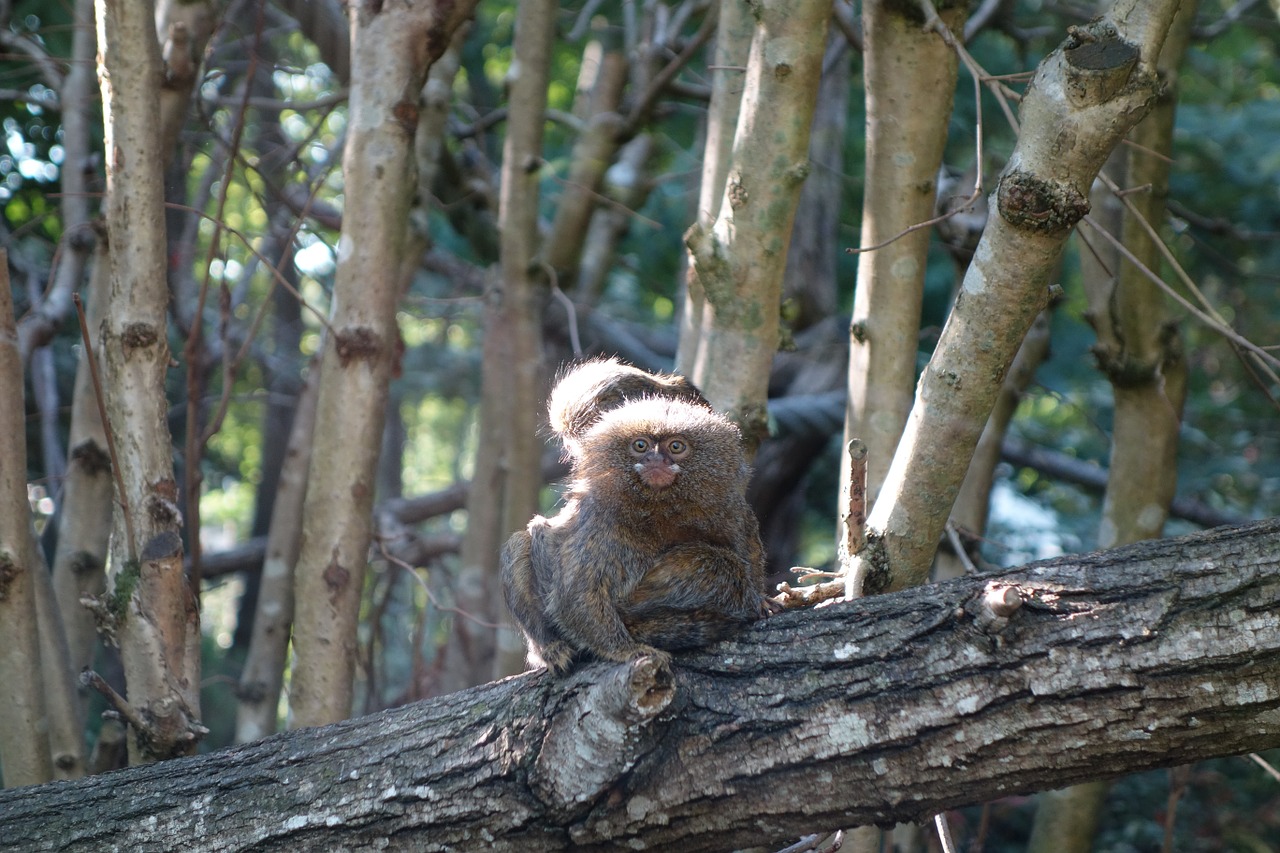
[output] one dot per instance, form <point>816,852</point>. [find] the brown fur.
<point>591,388</point>
<point>655,549</point>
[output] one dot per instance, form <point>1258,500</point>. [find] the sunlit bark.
<point>393,46</point>
<point>1084,97</point>
<point>149,608</point>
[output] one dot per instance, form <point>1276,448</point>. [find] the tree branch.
<point>884,709</point>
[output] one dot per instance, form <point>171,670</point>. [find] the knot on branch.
<point>599,732</point>
<point>1098,63</point>
<point>91,457</point>
<point>1039,205</point>
<point>138,336</point>
<point>357,342</point>
<point>996,604</point>
<point>164,727</point>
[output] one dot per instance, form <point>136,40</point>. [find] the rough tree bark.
<point>1084,98</point>
<point>392,48</point>
<point>149,612</point>
<point>883,709</point>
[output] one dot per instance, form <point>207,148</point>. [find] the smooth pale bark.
<point>738,261</point>
<point>392,48</point>
<point>63,717</point>
<point>974,500</point>
<point>504,493</point>
<point>1084,98</point>
<point>84,533</point>
<point>1138,347</point>
<point>892,707</point>
<point>735,28</point>
<point>149,608</point>
<point>593,153</point>
<point>24,732</point>
<point>627,184</point>
<point>1140,351</point>
<point>909,74</point>
<point>262,678</point>
<point>810,279</point>
<point>84,526</point>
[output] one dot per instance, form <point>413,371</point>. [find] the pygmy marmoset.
<point>655,548</point>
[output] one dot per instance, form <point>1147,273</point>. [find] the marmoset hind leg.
<point>694,595</point>
<point>524,594</point>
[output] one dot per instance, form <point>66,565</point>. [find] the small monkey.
<point>655,549</point>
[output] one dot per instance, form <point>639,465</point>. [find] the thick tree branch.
<point>883,709</point>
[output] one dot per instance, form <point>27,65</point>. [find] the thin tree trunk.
<point>909,74</point>
<point>735,28</point>
<point>974,500</point>
<point>1085,96</point>
<point>393,46</point>
<point>24,737</point>
<point>152,612</point>
<point>810,278</point>
<point>78,100</point>
<point>262,678</point>
<point>593,153</point>
<point>84,532</point>
<point>1141,353</point>
<point>504,493</point>
<point>739,259</point>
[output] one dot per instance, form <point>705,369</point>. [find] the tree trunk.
<point>150,609</point>
<point>1085,96</point>
<point>24,733</point>
<point>1140,351</point>
<point>504,493</point>
<point>883,709</point>
<point>393,46</point>
<point>262,677</point>
<point>739,259</point>
<point>910,81</point>
<point>734,30</point>
<point>84,530</point>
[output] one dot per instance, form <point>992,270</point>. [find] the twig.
<point>1261,762</point>
<point>1178,778</point>
<point>1205,317</point>
<point>804,845</point>
<point>668,72</point>
<point>399,563</point>
<point>570,310</point>
<point>118,703</point>
<point>944,833</point>
<point>92,360</point>
<point>953,536</point>
<point>277,276</point>
<point>791,598</point>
